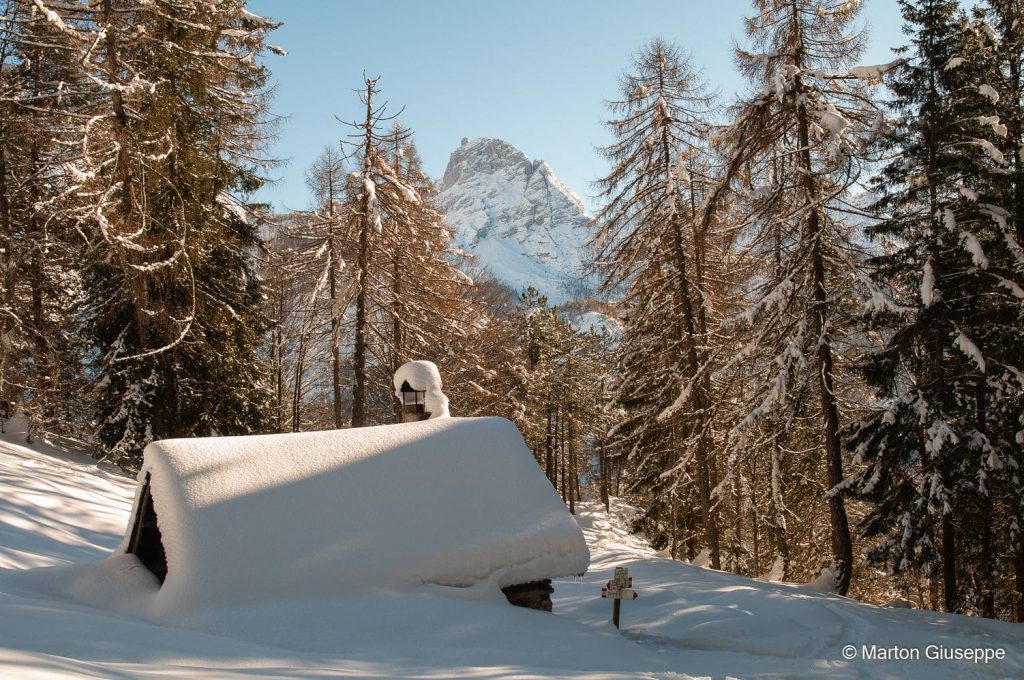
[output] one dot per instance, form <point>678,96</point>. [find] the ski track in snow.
<point>59,509</point>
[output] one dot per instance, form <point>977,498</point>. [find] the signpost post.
<point>619,588</point>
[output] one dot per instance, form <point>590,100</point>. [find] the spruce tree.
<point>932,452</point>
<point>176,119</point>
<point>1000,47</point>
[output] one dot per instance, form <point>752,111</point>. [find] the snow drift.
<point>456,502</point>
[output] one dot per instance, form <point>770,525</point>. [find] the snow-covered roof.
<point>454,502</point>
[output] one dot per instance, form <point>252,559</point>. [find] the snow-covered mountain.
<point>516,217</point>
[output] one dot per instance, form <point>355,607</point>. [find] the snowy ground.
<point>58,509</point>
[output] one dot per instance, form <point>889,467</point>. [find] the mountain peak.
<point>514,214</point>
<point>482,155</point>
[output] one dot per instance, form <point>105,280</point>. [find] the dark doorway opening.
<point>146,543</point>
<point>532,595</point>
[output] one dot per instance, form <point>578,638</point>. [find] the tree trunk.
<point>335,324</point>
<point>1018,610</point>
<point>297,392</point>
<point>674,536</point>
<point>396,293</point>
<point>602,457</point>
<point>278,349</point>
<point>573,474</point>
<point>549,448</point>
<point>362,275</point>
<point>396,329</point>
<point>738,524</point>
<point>561,452</point>
<point>779,529</point>
<point>842,544</point>
<point>1015,84</point>
<point>122,169</point>
<point>950,594</point>
<point>986,566</point>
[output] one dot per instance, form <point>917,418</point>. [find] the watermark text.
<point>873,652</point>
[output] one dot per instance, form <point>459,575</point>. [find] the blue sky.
<point>532,72</point>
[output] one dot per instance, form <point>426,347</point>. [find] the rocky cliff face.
<point>517,218</point>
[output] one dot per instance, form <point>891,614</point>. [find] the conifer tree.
<point>374,194</point>
<point>322,247</point>
<point>410,297</point>
<point>39,91</point>
<point>794,142</point>
<point>644,242</point>
<point>430,308</point>
<point>175,118</point>
<point>558,392</point>
<point>933,454</point>
<point>1004,47</point>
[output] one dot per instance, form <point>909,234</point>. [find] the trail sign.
<point>619,588</point>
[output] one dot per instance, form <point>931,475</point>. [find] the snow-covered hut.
<point>456,502</point>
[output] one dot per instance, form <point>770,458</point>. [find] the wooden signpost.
<point>619,588</point>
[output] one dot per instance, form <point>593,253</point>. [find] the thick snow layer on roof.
<point>456,502</point>
<point>423,376</point>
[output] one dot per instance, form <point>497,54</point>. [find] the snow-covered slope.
<point>516,217</point>
<point>62,509</point>
<point>725,625</point>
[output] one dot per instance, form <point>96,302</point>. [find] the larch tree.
<point>322,248</point>
<point>794,144</point>
<point>40,95</point>
<point>372,193</point>
<point>431,310</point>
<point>408,292</point>
<point>644,243</point>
